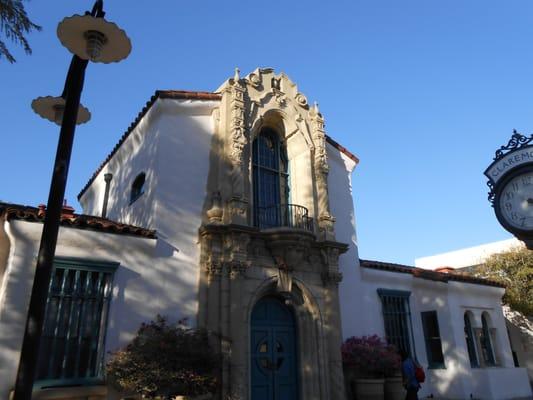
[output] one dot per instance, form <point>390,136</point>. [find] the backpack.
<point>420,375</point>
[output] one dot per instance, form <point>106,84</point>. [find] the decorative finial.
<point>316,108</point>
<point>236,77</point>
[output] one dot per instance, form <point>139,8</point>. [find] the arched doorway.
<point>273,351</point>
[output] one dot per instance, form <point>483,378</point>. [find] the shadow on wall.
<point>5,246</point>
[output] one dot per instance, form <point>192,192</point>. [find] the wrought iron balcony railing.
<point>283,215</point>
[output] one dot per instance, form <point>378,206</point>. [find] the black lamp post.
<point>88,37</point>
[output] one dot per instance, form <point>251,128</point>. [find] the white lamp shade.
<point>51,108</point>
<point>73,31</point>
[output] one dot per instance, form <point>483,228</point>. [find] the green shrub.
<point>165,360</point>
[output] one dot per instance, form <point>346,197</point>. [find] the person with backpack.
<point>409,373</point>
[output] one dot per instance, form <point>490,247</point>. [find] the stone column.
<point>325,219</point>
<point>238,141</point>
<point>331,277</point>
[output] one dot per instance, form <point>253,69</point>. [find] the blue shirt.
<point>408,371</point>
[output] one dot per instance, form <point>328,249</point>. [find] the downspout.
<point>107,178</point>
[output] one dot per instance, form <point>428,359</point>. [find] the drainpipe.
<point>107,178</point>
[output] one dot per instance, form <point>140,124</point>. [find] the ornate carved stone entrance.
<point>257,246</point>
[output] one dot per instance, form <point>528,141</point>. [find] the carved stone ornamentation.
<point>325,221</point>
<point>214,270</point>
<point>238,136</point>
<point>301,100</point>
<point>255,80</point>
<point>237,269</point>
<point>238,208</point>
<point>331,278</point>
<point>276,83</point>
<point>326,227</point>
<point>330,259</point>
<point>280,99</point>
<point>215,212</point>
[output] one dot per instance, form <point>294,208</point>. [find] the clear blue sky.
<point>422,91</point>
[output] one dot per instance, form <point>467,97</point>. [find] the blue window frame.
<point>397,318</point>
<point>470,342</point>
<point>71,350</point>
<point>270,179</point>
<point>487,350</point>
<point>430,325</point>
<point>137,187</point>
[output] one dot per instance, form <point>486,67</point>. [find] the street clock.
<point>511,187</point>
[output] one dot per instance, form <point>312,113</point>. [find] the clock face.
<point>516,202</point>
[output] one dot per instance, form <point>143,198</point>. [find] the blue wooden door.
<point>273,345</point>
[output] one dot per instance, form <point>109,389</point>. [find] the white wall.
<point>141,287</point>
<point>171,144</point>
<point>186,131</point>
<point>362,314</point>
<point>468,257</point>
<point>341,207</point>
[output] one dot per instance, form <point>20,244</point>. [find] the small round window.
<point>137,187</point>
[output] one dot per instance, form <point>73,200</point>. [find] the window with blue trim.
<point>397,318</point>
<point>71,350</point>
<point>270,179</point>
<point>470,341</point>
<point>137,187</point>
<point>430,325</point>
<point>487,351</point>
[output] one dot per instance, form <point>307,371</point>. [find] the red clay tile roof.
<point>78,221</point>
<point>184,95</point>
<point>342,149</point>
<point>429,274</point>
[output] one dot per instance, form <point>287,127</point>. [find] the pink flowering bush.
<point>370,357</point>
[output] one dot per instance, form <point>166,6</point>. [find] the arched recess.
<point>470,339</point>
<point>313,371</point>
<point>299,149</point>
<point>486,340</point>
<point>273,351</point>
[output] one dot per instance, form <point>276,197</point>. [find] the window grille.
<point>469,337</point>
<point>270,179</point>
<point>397,319</point>
<point>72,341</point>
<point>430,325</point>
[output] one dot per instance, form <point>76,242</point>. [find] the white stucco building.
<point>519,327</point>
<point>248,229</point>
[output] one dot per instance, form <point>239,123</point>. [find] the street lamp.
<point>88,37</point>
<point>52,108</point>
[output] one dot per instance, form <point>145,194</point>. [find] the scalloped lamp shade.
<point>51,108</point>
<point>94,39</point>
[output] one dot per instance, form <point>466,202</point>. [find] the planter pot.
<point>394,388</point>
<point>369,389</point>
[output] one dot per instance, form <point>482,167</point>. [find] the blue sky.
<point>422,91</point>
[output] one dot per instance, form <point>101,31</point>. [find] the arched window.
<point>137,187</point>
<point>486,342</point>
<point>469,337</point>
<point>270,179</point>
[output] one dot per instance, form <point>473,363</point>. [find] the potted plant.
<point>165,361</point>
<point>394,389</point>
<point>364,363</point>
